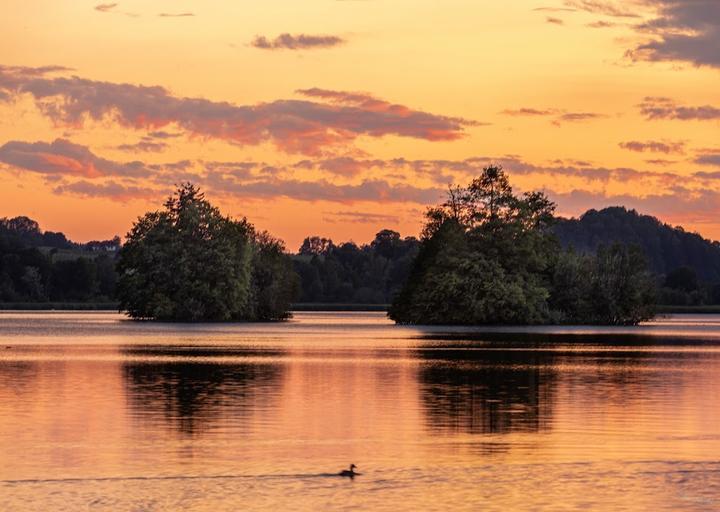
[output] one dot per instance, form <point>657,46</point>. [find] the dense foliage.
<point>687,266</point>
<point>666,248</point>
<point>43,267</point>
<point>489,257</point>
<point>190,263</point>
<point>348,274</point>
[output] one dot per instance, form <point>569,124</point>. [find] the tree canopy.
<point>188,262</point>
<point>488,256</point>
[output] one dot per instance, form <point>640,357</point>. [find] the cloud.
<point>528,112</point>
<point>708,157</point>
<point>36,72</point>
<point>62,157</point>
<point>707,175</point>
<point>359,217</point>
<point>670,30</point>
<point>297,42</point>
<point>605,8</point>
<point>397,180</point>
<point>160,134</point>
<point>110,190</point>
<point>68,159</point>
<point>145,146</point>
<point>105,7</point>
<point>665,108</point>
<point>554,21</point>
<point>660,161</point>
<point>653,146</point>
<point>554,9</point>
<point>684,30</point>
<point>295,126</point>
<point>679,205</point>
<point>176,15</point>
<point>572,117</point>
<point>559,116</point>
<point>342,166</point>
<point>111,8</point>
<point>453,171</point>
<point>372,190</point>
<point>601,24</point>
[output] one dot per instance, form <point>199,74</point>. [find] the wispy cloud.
<point>669,30</point>
<point>574,117</point>
<point>372,190</point>
<point>160,134</point>
<point>667,108</point>
<point>105,7</point>
<point>683,30</point>
<point>613,9</point>
<point>554,9</point>
<point>176,15</point>
<point>359,217</point>
<point>112,8</point>
<point>109,190</point>
<point>75,169</point>
<point>143,146</point>
<point>341,166</point>
<point>297,42</point>
<point>601,24</point>
<point>708,157</point>
<point>654,146</point>
<point>62,157</point>
<point>558,116</point>
<point>660,161</point>
<point>296,126</point>
<point>529,112</point>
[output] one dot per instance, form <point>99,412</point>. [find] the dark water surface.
<point>99,413</point>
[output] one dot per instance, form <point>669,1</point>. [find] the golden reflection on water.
<point>102,414</point>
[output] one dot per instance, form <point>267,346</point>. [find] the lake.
<point>101,413</point>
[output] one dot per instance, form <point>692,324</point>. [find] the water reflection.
<point>501,383</point>
<point>111,415</point>
<point>472,391</point>
<point>17,376</point>
<point>192,395</point>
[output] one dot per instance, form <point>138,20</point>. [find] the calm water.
<point>99,413</point>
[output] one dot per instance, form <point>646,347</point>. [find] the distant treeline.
<point>44,266</point>
<point>37,266</point>
<point>686,265</point>
<point>352,274</point>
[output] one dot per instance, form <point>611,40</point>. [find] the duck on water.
<point>349,472</point>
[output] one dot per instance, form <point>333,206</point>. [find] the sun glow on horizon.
<point>343,118</point>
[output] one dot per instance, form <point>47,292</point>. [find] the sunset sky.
<point>342,117</point>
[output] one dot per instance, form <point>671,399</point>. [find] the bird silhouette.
<point>349,472</point>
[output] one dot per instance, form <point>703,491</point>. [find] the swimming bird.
<point>349,472</point>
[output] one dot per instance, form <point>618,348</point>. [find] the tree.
<point>315,246</point>
<point>682,278</point>
<point>274,282</point>
<point>489,256</point>
<point>622,289</point>
<point>485,258</point>
<point>190,263</point>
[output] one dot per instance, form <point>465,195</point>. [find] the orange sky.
<point>340,118</point>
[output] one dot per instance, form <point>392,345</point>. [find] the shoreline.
<point>300,307</point>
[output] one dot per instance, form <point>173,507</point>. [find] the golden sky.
<point>343,117</point>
